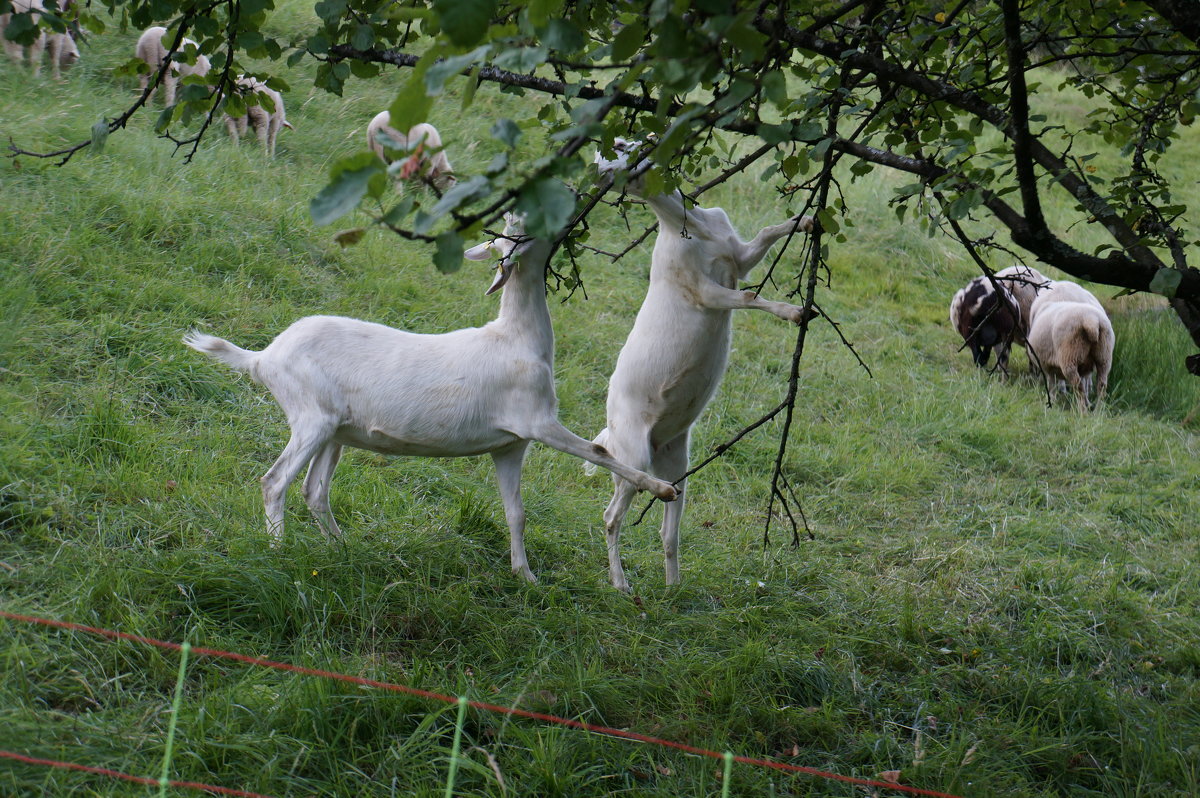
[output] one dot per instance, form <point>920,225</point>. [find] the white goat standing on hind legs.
<point>483,390</point>
<point>677,351</point>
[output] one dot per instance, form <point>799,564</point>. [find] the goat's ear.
<point>480,251</point>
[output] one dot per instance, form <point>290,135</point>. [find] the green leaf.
<point>363,38</point>
<point>351,179</point>
<point>412,104</point>
<point>449,254</point>
<point>562,36</point>
<point>627,41</point>
<point>1166,282</point>
<point>521,59</point>
<point>99,136</point>
<point>506,131</point>
<point>347,238</point>
<point>465,21</point>
<point>548,205</point>
<point>440,72</point>
<point>463,191</point>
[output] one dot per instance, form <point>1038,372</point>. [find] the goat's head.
<point>510,245</point>
<point>626,150</point>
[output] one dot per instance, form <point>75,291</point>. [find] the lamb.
<point>345,382</point>
<point>436,167</point>
<point>1072,338</point>
<point>60,46</point>
<point>265,122</point>
<point>677,352</point>
<point>984,321</point>
<point>150,48</point>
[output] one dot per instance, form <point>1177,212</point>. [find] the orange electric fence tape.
<point>200,651</point>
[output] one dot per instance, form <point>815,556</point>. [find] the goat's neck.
<point>523,308</point>
<point>669,208</point>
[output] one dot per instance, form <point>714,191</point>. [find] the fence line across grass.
<point>199,651</point>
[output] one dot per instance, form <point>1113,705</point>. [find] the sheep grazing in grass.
<point>60,46</point>
<point>986,320</point>
<point>1024,283</point>
<point>485,390</point>
<point>677,352</point>
<point>265,120</point>
<point>426,157</point>
<point>151,49</point>
<point>1072,338</point>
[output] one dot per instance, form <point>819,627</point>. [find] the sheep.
<point>150,48</point>
<point>676,354</point>
<point>1024,283</point>
<point>344,382</point>
<point>266,123</point>
<point>985,322</point>
<point>61,47</point>
<point>436,167</point>
<point>1072,340</point>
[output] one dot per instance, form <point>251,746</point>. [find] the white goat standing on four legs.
<point>484,390</point>
<point>678,349</point>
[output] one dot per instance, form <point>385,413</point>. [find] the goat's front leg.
<point>556,436</point>
<point>718,297</point>
<point>749,253</point>
<point>508,474</point>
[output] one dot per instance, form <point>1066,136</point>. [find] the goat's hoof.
<point>528,574</point>
<point>665,491</point>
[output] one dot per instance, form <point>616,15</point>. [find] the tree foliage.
<point>938,90</point>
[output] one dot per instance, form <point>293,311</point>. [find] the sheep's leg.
<point>169,82</point>
<point>556,436</point>
<point>671,462</point>
<point>749,253</point>
<point>508,474</point>
<point>316,487</point>
<point>718,297</point>
<point>306,440</point>
<point>614,515</point>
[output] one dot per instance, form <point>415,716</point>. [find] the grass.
<point>999,597</point>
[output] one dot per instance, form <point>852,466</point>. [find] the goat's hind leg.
<point>316,487</point>
<point>508,474</point>
<point>307,439</point>
<point>671,462</point>
<point>614,516</point>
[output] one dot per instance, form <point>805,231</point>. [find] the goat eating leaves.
<point>483,390</point>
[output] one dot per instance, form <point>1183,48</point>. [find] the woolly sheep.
<point>1072,340</point>
<point>151,49</point>
<point>985,323</point>
<point>60,46</point>
<point>485,390</point>
<point>436,167</point>
<point>676,354</point>
<point>1024,283</point>
<point>266,123</point>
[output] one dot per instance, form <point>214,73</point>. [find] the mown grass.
<point>998,598</point>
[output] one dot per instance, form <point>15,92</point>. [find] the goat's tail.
<point>600,440</point>
<point>218,348</point>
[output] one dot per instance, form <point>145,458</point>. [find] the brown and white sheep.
<point>422,140</point>
<point>985,321</point>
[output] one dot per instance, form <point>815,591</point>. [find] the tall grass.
<point>998,597</point>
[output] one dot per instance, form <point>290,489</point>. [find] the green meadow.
<point>997,598</point>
